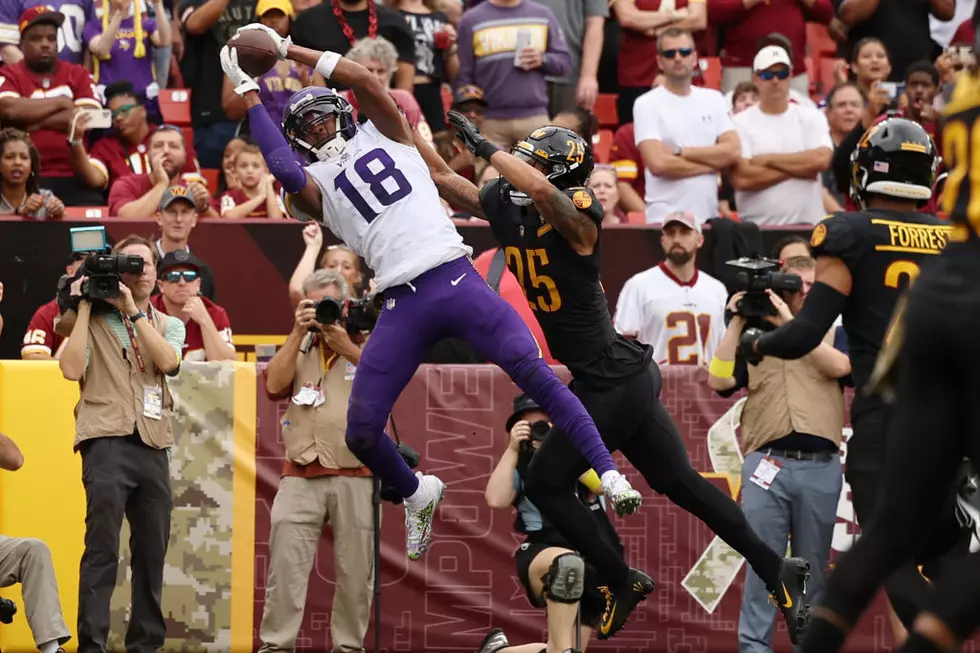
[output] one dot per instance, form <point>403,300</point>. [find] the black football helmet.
<point>895,157</point>
<point>564,157</point>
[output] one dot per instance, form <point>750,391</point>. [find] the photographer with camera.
<point>791,431</point>
<point>28,562</point>
<point>322,481</point>
<point>121,351</point>
<point>553,575</point>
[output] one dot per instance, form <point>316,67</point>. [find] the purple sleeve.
<point>90,10</point>
<point>92,29</point>
<point>559,60</point>
<point>276,151</point>
<point>9,12</point>
<point>149,26</point>
<point>464,50</point>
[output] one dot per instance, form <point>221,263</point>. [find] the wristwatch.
<point>135,318</point>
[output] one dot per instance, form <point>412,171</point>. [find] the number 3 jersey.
<point>682,320</point>
<point>379,198</point>
<point>562,287</point>
<point>883,251</point>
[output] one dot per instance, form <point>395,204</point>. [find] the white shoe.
<point>418,522</point>
<point>624,498</point>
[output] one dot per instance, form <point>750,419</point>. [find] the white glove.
<point>229,63</point>
<point>282,44</point>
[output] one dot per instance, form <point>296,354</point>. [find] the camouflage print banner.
<point>197,577</point>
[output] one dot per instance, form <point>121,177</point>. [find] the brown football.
<point>257,52</point>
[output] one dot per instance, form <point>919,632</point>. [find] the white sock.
<point>49,647</point>
<point>420,497</point>
<point>608,477</point>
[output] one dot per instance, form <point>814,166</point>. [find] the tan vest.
<point>111,391</point>
<point>318,433</point>
<point>791,395</point>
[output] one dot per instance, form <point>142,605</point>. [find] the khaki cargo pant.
<point>301,509</point>
<point>28,562</point>
<point>506,133</point>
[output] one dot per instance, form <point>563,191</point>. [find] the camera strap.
<point>134,341</point>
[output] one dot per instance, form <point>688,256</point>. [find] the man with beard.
<point>674,307</point>
<point>139,196</point>
<point>40,95</point>
<point>549,226</point>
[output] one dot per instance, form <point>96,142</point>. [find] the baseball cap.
<point>179,259</point>
<point>522,404</point>
<point>685,218</point>
<point>469,93</point>
<point>39,15</point>
<point>173,194</point>
<point>285,6</point>
<point>769,56</point>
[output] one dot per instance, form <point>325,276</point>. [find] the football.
<point>257,52</point>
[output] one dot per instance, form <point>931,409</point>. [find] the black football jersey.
<point>883,251</point>
<point>562,286</point>
<point>961,148</point>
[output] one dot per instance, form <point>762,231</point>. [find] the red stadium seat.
<point>635,217</point>
<point>86,212</point>
<point>175,105</point>
<point>819,42</point>
<point>710,72</point>
<point>601,145</point>
<point>188,133</point>
<point>211,176</point>
<point>826,73</point>
<point>447,97</point>
<point>605,110</point>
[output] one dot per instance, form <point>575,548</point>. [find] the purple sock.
<point>378,453</point>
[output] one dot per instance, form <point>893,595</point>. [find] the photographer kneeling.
<point>791,432</point>
<point>322,481</point>
<point>554,576</point>
<point>28,562</point>
<point>121,351</point>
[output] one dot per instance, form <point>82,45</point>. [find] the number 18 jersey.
<point>379,198</point>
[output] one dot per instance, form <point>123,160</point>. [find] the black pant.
<point>121,476</point>
<point>631,419</point>
<point>73,191</point>
<point>933,426</point>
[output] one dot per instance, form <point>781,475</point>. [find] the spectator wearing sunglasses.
<point>785,147</point>
<point>177,217</point>
<point>207,328</point>
<point>127,150</point>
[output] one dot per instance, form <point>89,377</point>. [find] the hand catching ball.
<point>256,51</point>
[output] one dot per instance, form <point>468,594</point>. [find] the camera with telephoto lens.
<point>355,315</point>
<point>756,275</point>
<point>539,430</point>
<point>103,269</point>
<point>7,611</point>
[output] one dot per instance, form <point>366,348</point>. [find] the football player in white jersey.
<point>372,189</point>
<point>674,307</point>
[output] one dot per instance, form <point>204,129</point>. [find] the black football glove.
<point>746,346</point>
<point>470,136</point>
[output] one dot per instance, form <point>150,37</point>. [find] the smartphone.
<point>891,88</point>
<point>101,118</point>
<point>523,41</point>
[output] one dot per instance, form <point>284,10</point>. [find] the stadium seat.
<point>811,73</point>
<point>447,97</point>
<point>819,42</point>
<point>175,105</point>
<point>86,212</point>
<point>601,145</point>
<point>211,176</point>
<point>188,133</point>
<point>606,111</point>
<point>826,73</point>
<point>711,72</point>
<point>635,217</point>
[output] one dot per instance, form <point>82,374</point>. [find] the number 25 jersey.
<point>883,251</point>
<point>379,198</point>
<point>562,287</point>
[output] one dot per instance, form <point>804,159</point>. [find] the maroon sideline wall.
<point>466,583</point>
<point>252,262</point>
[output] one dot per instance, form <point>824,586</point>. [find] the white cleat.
<point>625,500</point>
<point>418,523</point>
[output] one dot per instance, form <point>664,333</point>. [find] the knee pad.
<point>565,580</point>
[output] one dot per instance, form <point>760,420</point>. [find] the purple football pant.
<point>452,300</point>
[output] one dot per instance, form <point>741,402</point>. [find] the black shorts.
<point>865,458</point>
<point>429,97</point>
<point>592,604</point>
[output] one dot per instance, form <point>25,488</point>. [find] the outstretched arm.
<point>459,191</point>
<point>372,98</point>
<point>555,206</point>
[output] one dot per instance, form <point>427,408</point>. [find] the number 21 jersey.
<point>379,198</point>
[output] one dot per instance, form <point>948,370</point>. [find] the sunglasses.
<point>673,52</point>
<point>780,74</point>
<point>124,110</point>
<point>173,276</point>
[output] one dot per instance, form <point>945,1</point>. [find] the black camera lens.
<point>328,311</point>
<point>539,429</point>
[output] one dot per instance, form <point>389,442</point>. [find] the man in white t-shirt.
<point>785,147</point>
<point>684,135</point>
<point>673,306</point>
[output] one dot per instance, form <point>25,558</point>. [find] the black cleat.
<point>621,603</point>
<point>493,642</point>
<point>790,596</point>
